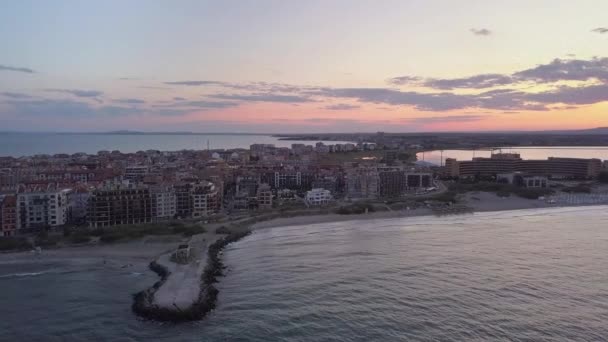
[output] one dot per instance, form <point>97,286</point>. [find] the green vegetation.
<point>503,190</point>
<point>603,177</point>
<point>223,230</point>
<point>129,232</point>
<point>14,243</point>
<point>355,208</point>
<point>407,157</point>
<point>412,204</point>
<point>353,156</point>
<point>446,197</point>
<point>43,239</point>
<point>78,238</point>
<point>580,188</point>
<point>112,234</point>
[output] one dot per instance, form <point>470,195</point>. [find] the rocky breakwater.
<point>185,291</point>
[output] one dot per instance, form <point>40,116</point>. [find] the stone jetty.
<point>185,291</point>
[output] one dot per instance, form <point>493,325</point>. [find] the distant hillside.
<point>590,131</point>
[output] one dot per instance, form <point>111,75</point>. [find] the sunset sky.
<point>303,66</point>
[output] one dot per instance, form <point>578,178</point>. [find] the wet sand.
<point>477,201</point>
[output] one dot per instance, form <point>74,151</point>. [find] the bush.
<point>79,238</point>
<point>447,197</point>
<point>14,243</point>
<point>503,193</point>
<point>531,193</point>
<point>111,237</point>
<point>152,229</point>
<point>222,230</point>
<point>580,188</point>
<point>44,240</point>
<point>502,190</point>
<point>98,232</point>
<point>355,208</point>
<point>187,230</point>
<point>603,177</point>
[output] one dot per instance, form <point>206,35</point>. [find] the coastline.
<point>477,202</point>
<point>139,251</point>
<point>200,293</point>
<point>152,247</point>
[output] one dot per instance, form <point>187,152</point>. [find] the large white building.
<point>42,209</point>
<point>362,182</point>
<point>318,197</point>
<point>206,199</point>
<point>164,202</point>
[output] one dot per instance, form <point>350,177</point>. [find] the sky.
<point>287,66</point>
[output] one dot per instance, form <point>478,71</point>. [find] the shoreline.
<point>201,294</point>
<point>477,202</point>
<point>151,247</point>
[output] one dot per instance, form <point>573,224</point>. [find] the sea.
<point>525,275</point>
<point>28,144</point>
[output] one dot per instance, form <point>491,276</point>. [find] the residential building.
<point>395,182</point>
<point>164,202</point>
<point>318,197</point>
<point>183,200</point>
<point>136,173</point>
<point>575,168</point>
<point>79,204</point>
<point>247,185</point>
<point>206,199</point>
<point>264,196</point>
<point>8,215</point>
<point>118,205</point>
<point>258,150</point>
<point>362,182</point>
<point>42,209</point>
<point>524,180</point>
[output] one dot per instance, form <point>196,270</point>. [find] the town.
<point>110,188</point>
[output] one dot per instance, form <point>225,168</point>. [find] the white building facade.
<point>164,202</point>
<point>42,209</point>
<point>318,197</point>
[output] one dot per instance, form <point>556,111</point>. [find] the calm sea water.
<point>526,153</point>
<point>26,144</point>
<point>529,275</point>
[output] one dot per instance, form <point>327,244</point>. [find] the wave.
<point>24,274</point>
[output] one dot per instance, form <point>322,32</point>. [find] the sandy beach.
<point>137,253</point>
<point>151,248</point>
<point>478,202</point>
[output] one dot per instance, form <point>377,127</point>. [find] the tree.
<point>603,177</point>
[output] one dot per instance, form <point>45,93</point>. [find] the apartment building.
<point>576,168</point>
<point>362,182</point>
<point>79,204</point>
<point>8,215</point>
<point>136,173</point>
<point>288,179</point>
<point>264,196</point>
<point>119,204</point>
<point>206,199</point>
<point>43,209</point>
<point>164,202</point>
<point>318,197</point>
